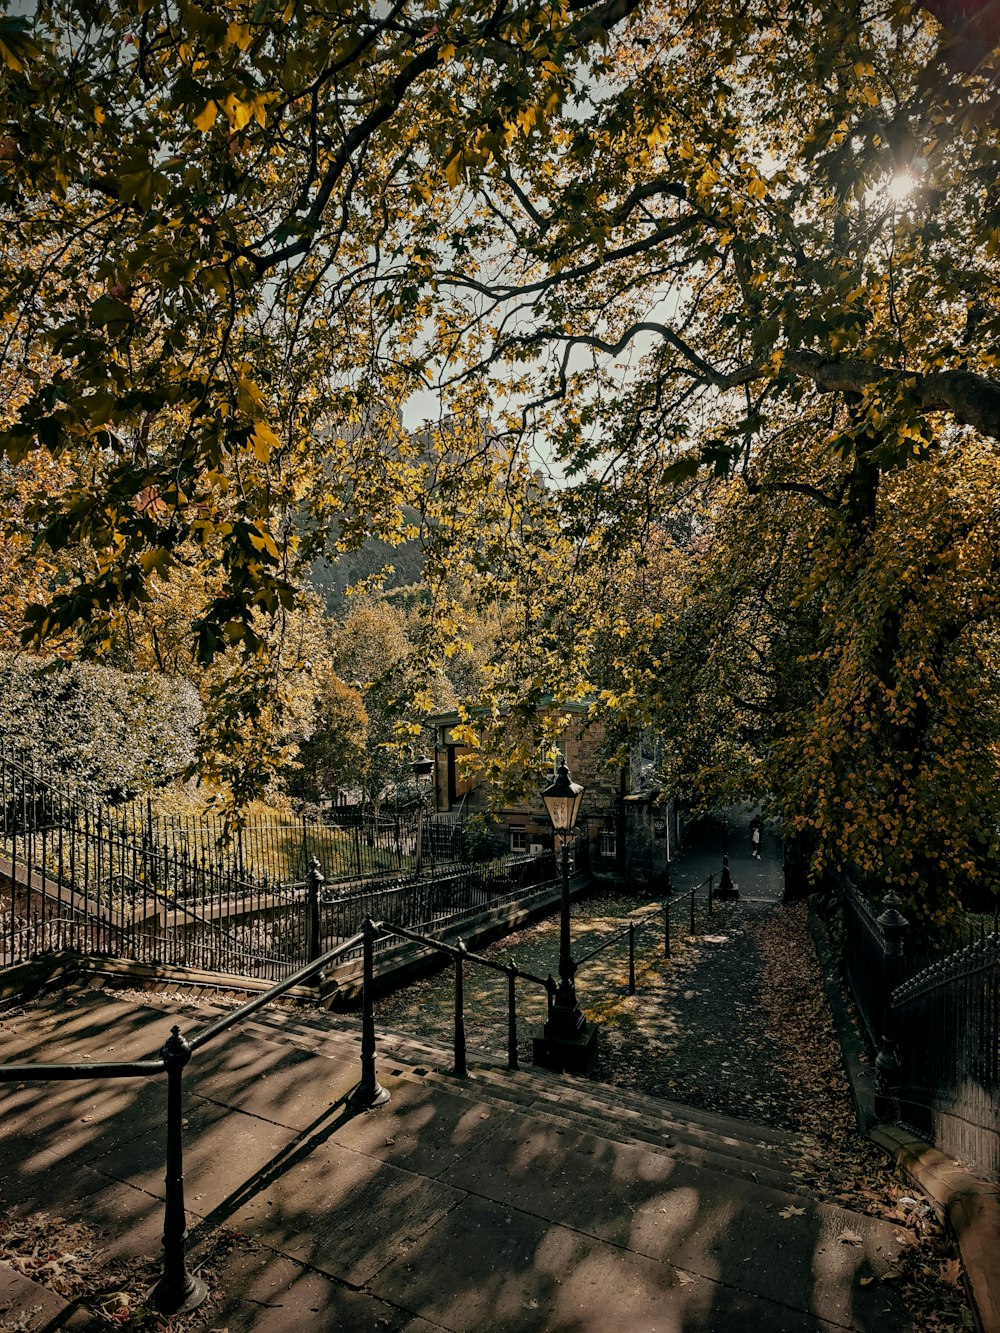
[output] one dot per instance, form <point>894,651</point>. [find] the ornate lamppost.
<point>421,768</point>
<point>567,1041</point>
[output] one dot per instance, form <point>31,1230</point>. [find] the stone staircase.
<point>720,1143</point>
<point>497,1201</point>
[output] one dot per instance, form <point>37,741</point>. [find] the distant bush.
<point>117,733</point>
<point>481,844</point>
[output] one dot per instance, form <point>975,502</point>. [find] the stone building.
<point>630,827</point>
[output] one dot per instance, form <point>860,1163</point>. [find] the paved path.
<point>702,856</point>
<point>477,1205</point>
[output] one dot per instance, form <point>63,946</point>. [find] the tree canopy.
<point>739,260</point>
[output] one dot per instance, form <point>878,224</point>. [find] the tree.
<point>373,656</point>
<point>117,734</point>
<point>205,289</point>
<point>334,756</point>
<point>673,246</point>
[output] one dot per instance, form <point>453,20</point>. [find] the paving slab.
<point>715,1225</point>
<point>260,1291</point>
<point>341,1212</point>
<point>223,1149</point>
<point>503,1269</point>
<point>427,1129</point>
<point>30,1308</point>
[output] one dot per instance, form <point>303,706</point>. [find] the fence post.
<point>511,1016</point>
<point>666,928</point>
<point>314,884</point>
<point>369,1092</point>
<point>887,1067</point>
<point>631,958</point>
<point>461,1069</point>
<point>177,1291</point>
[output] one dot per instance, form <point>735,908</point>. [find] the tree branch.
<point>795,487</point>
<point>972,399</point>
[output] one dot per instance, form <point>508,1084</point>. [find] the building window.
<point>608,845</point>
<point>518,840</point>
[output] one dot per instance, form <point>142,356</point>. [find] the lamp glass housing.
<point>562,802</point>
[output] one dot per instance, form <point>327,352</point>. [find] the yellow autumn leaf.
<point>264,440</point>
<point>207,118</point>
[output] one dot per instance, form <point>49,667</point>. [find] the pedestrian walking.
<point>755,839</point>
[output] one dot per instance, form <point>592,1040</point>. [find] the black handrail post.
<point>511,1016</point>
<point>887,1066</point>
<point>314,885</point>
<point>692,910</point>
<point>369,1092</point>
<point>631,958</point>
<point>461,1068</point>
<point>177,1291</point>
<point>711,895</point>
<point>666,928</point>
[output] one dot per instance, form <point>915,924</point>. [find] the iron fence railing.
<point>934,1029</point>
<point>46,812</point>
<point>449,892</point>
<point>77,874</point>
<point>864,961</point>
<point>946,1025</point>
<point>256,930</point>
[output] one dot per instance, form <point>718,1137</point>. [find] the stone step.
<point>723,1143</point>
<point>25,1304</point>
<point>718,1143</point>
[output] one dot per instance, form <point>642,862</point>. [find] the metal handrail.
<point>229,1020</point>
<point>63,1073</point>
<point>178,1290</point>
<point>387,927</point>
<point>460,954</point>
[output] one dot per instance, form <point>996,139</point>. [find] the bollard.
<point>631,958</point>
<point>177,1291</point>
<point>711,896</point>
<point>369,1092</point>
<point>666,929</point>
<point>692,912</point>
<point>461,1069</point>
<point>512,1062</point>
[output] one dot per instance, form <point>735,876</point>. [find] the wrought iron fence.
<point>946,1025</point>
<point>77,874</point>
<point>935,1029</point>
<point>450,895</point>
<point>864,961</point>
<point>353,845</point>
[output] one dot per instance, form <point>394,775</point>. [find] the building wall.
<point>526,822</point>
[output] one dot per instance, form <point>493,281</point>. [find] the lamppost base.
<point>173,1297</point>
<point>364,1097</point>
<point>725,887</point>
<point>564,1053</point>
